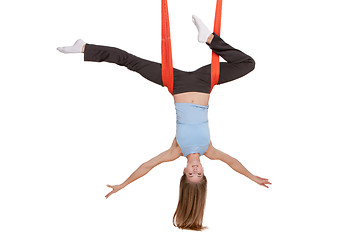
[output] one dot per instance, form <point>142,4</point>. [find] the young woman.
<point>191,92</point>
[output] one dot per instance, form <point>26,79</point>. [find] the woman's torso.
<point>192,97</point>
<point>192,129</point>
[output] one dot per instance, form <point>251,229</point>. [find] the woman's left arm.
<point>215,154</point>
<point>171,154</point>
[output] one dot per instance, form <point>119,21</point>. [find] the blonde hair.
<point>190,209</point>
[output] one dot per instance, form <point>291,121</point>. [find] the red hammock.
<point>166,55</point>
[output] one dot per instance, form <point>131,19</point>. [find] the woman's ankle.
<point>210,38</point>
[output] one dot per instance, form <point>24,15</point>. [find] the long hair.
<point>190,209</point>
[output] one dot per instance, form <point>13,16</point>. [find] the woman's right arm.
<point>215,154</point>
<point>171,154</point>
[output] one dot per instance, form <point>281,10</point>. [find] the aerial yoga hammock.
<point>191,92</point>
<point>166,54</point>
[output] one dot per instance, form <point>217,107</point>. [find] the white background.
<point>68,128</point>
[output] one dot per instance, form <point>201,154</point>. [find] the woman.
<point>191,92</point>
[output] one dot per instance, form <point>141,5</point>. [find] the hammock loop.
<point>166,53</point>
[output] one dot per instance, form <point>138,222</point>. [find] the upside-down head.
<point>190,209</point>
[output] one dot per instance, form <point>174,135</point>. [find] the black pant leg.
<point>238,63</point>
<point>148,69</point>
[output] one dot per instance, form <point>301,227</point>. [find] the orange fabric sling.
<point>166,54</point>
<point>215,61</point>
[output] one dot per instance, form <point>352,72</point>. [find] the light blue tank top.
<point>192,128</point>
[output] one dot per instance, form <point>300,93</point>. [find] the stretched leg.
<point>148,69</point>
<point>96,53</point>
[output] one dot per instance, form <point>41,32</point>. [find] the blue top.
<point>192,128</point>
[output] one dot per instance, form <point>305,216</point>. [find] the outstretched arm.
<point>171,154</point>
<point>215,154</point>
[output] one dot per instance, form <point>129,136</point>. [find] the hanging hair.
<point>190,209</point>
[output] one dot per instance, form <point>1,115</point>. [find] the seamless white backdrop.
<point>68,128</point>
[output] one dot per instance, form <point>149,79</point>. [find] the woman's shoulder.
<point>210,152</point>
<point>175,147</point>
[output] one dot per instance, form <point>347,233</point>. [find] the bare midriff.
<point>192,97</point>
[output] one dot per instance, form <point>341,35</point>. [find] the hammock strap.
<point>215,61</point>
<point>166,54</point>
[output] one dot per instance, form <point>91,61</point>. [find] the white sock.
<point>204,32</point>
<point>76,48</point>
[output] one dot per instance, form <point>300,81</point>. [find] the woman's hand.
<point>115,189</point>
<point>261,181</point>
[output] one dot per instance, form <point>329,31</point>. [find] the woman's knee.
<point>251,64</point>
<point>246,66</point>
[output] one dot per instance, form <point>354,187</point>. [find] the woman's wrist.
<point>250,176</point>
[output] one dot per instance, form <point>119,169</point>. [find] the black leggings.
<point>238,64</point>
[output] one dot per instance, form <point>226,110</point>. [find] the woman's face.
<point>194,171</point>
